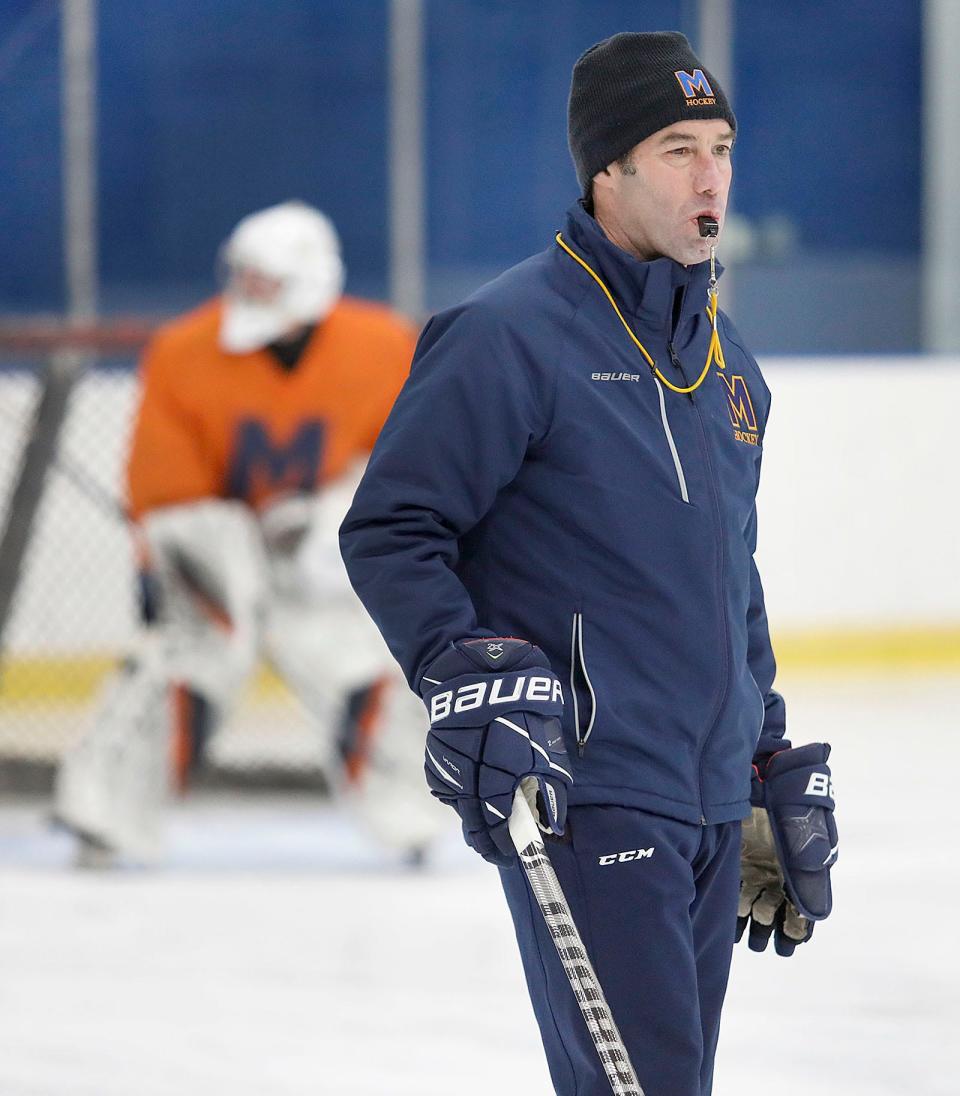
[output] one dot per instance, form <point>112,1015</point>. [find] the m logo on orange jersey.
<point>740,408</point>
<point>261,467</point>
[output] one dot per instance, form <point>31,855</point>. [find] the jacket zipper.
<point>678,297</point>
<point>678,467</point>
<point>675,362</point>
<point>577,662</point>
<point>723,613</point>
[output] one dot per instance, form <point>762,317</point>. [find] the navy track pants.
<point>659,931</point>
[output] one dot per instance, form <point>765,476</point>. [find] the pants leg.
<point>635,914</point>
<point>713,917</point>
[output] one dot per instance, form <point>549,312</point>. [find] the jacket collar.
<point>645,290</point>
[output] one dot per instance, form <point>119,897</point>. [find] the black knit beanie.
<point>629,86</point>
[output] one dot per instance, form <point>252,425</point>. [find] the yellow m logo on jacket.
<point>740,408</point>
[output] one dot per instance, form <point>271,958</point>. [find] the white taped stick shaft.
<point>523,826</point>
<point>549,896</point>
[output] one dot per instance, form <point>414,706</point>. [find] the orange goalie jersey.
<point>217,425</point>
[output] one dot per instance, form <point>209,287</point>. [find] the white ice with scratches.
<point>280,954</point>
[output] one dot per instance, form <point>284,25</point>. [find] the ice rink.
<point>278,953</point>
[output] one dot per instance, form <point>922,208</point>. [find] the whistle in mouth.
<point>709,226</point>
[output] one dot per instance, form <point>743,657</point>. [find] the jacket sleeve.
<point>457,435</point>
<point>760,657</point>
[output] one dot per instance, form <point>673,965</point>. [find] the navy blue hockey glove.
<point>789,845</point>
<point>495,710</point>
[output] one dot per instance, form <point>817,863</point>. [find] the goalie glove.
<point>495,710</point>
<point>789,845</point>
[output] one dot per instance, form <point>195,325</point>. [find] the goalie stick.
<point>549,896</point>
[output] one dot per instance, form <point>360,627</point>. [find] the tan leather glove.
<point>763,900</point>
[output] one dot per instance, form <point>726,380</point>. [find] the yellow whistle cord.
<point>715,351</point>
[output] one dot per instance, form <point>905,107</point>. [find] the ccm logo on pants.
<point>626,857</point>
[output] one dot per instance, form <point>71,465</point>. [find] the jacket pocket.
<point>582,696</point>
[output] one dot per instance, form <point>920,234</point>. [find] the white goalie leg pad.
<point>332,649</point>
<point>324,654</point>
<point>322,642</point>
<point>210,566</point>
<point>389,794</point>
<point>327,654</point>
<point>112,786</point>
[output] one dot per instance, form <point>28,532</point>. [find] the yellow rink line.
<point>872,650</point>
<point>76,679</point>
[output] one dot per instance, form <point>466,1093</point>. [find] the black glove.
<point>494,709</point>
<point>789,845</point>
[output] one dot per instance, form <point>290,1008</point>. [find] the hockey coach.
<point>555,535</point>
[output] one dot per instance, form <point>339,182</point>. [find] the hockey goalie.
<point>258,410</point>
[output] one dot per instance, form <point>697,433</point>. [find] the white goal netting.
<point>73,602</point>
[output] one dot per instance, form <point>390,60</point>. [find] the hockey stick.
<point>549,896</point>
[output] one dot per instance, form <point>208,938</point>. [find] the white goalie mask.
<point>281,269</point>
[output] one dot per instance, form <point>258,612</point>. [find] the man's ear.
<point>604,178</point>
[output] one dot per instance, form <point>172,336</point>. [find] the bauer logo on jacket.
<point>696,88</point>
<point>740,407</point>
<point>635,377</point>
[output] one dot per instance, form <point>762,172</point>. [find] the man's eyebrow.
<point>668,137</point>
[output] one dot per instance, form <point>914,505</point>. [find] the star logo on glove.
<point>804,829</point>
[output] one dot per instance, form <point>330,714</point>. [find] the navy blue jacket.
<point>534,479</point>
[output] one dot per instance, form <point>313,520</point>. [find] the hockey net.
<point>68,608</point>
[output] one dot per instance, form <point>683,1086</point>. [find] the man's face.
<point>649,205</point>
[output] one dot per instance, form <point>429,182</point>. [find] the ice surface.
<point>280,954</point>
